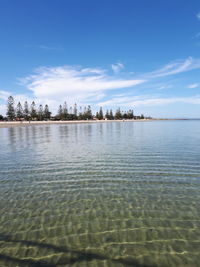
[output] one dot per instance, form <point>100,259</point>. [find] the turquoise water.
<point>105,194</point>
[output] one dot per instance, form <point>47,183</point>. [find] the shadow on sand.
<point>79,256</point>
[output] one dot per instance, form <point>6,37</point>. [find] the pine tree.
<point>130,114</point>
<point>75,110</point>
<point>47,113</point>
<point>80,115</point>
<point>60,113</point>
<point>19,111</point>
<point>10,108</point>
<point>89,113</point>
<point>118,114</point>
<point>100,114</point>
<point>142,116</point>
<point>84,116</point>
<point>40,113</point>
<point>97,116</point>
<point>65,111</point>
<point>33,111</point>
<point>111,115</point>
<point>107,115</point>
<point>26,111</point>
<point>125,115</point>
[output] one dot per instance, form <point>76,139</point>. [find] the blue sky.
<point>136,54</point>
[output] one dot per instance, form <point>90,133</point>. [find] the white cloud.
<point>193,85</point>
<point>176,67</point>
<point>54,85</point>
<point>198,16</point>
<point>146,100</point>
<point>73,83</point>
<point>3,109</point>
<point>117,67</point>
<point>53,104</point>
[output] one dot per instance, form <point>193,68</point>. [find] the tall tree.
<point>100,113</point>
<point>142,116</point>
<point>26,111</point>
<point>118,114</point>
<point>10,108</point>
<point>33,111</point>
<point>75,110</point>
<point>125,115</point>
<point>19,111</point>
<point>60,112</point>
<point>65,111</point>
<point>40,113</point>
<point>107,115</point>
<point>97,115</point>
<point>47,113</point>
<point>89,113</point>
<point>111,115</point>
<point>80,115</point>
<point>130,114</point>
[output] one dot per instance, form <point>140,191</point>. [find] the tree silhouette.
<point>10,108</point>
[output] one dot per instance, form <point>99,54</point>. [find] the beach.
<point>27,123</point>
<point>4,124</point>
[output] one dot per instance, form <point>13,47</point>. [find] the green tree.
<point>107,115</point>
<point>40,113</point>
<point>100,114</point>
<point>111,115</point>
<point>19,111</point>
<point>33,112</point>
<point>130,114</point>
<point>26,111</point>
<point>125,115</point>
<point>89,113</point>
<point>47,113</point>
<point>1,118</point>
<point>80,115</point>
<point>10,108</point>
<point>142,116</point>
<point>60,113</point>
<point>97,115</point>
<point>65,111</point>
<point>75,112</point>
<point>118,114</point>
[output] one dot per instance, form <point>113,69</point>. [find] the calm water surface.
<point>105,194</point>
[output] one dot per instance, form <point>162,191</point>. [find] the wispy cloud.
<point>54,85</point>
<point>146,100</point>
<point>193,85</point>
<point>117,67</point>
<point>74,83</point>
<point>176,67</point>
<point>198,16</point>
<point>4,95</point>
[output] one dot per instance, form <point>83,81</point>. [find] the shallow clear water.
<point>105,194</point>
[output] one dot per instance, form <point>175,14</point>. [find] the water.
<point>105,194</point>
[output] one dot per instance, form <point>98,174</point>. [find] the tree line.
<point>32,112</point>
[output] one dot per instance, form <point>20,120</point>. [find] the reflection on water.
<point>113,194</point>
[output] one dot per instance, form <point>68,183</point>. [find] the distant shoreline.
<point>5,124</point>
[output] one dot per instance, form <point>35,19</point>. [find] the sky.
<point>138,54</point>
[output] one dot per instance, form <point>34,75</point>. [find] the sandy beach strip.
<point>5,124</point>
